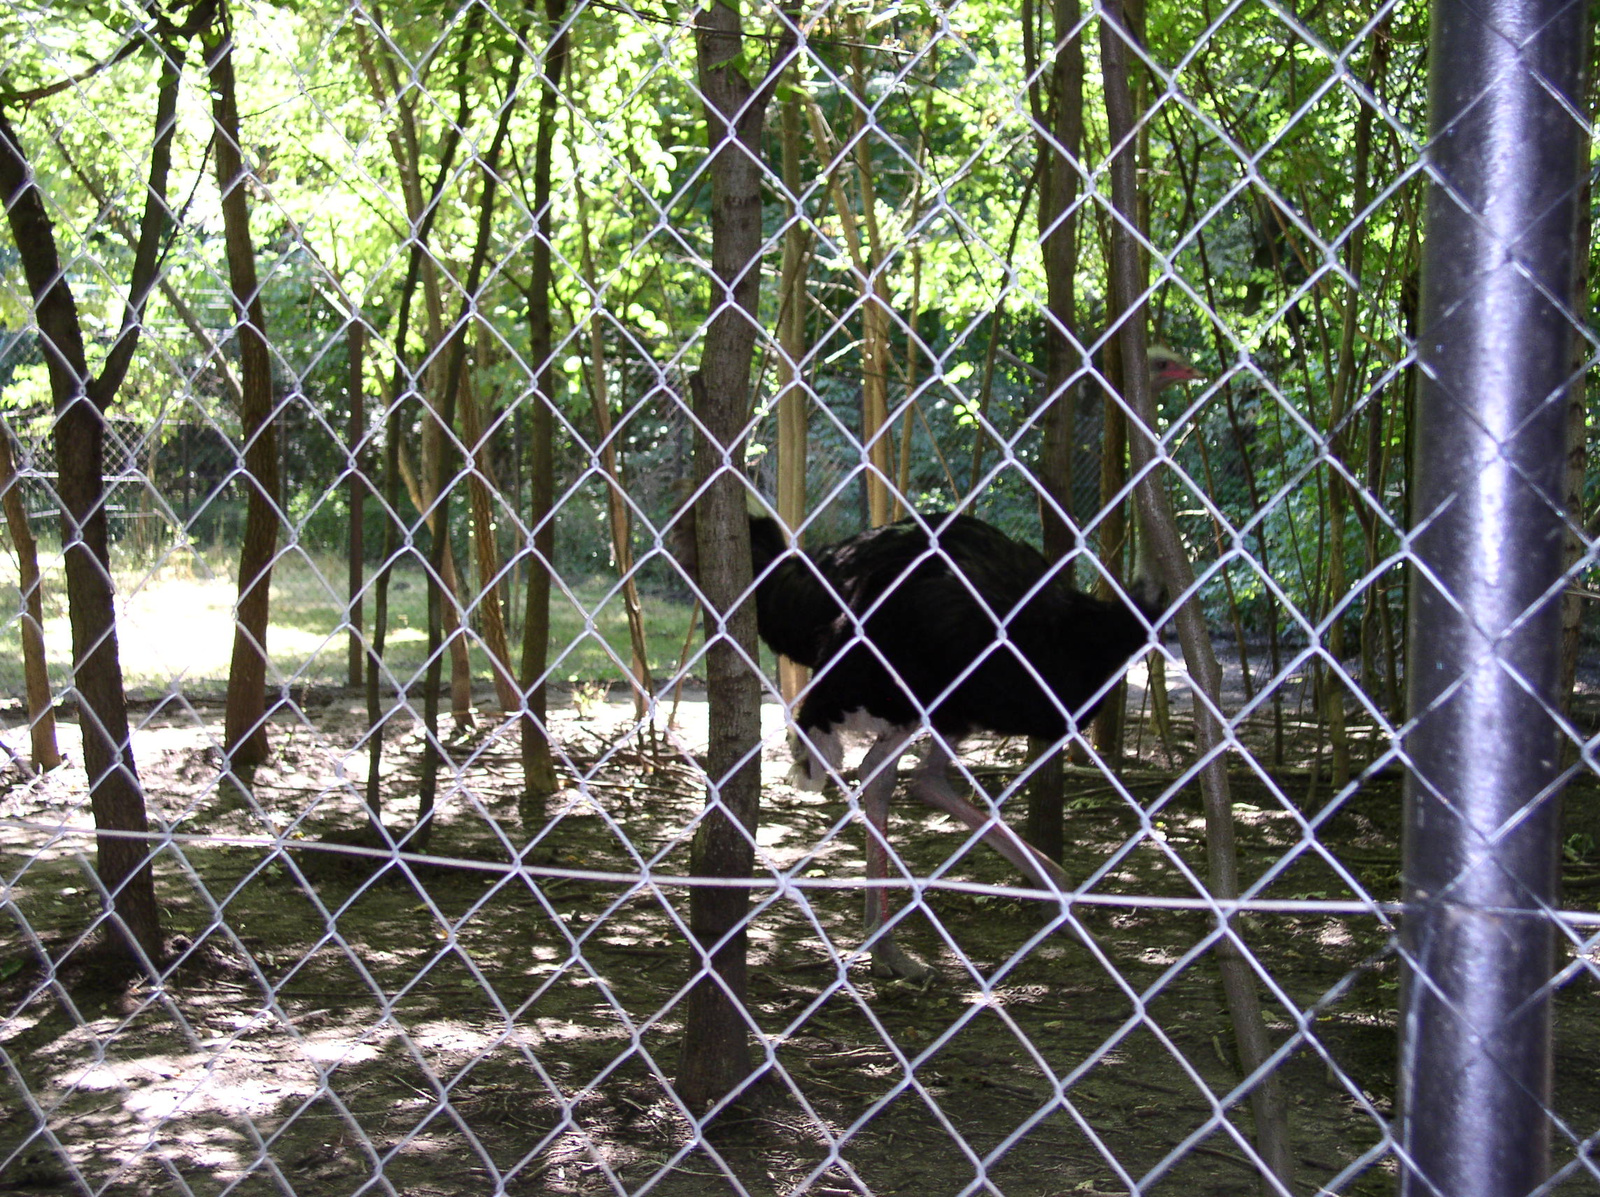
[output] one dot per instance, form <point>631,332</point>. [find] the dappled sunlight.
<point>395,1009</point>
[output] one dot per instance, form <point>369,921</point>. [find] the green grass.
<point>175,624</point>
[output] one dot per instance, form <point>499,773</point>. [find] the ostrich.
<point>943,622</point>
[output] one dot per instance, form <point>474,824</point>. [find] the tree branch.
<point>152,227</point>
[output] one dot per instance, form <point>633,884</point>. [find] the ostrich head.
<point>1169,369</point>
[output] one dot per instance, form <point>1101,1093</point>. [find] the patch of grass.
<point>175,624</point>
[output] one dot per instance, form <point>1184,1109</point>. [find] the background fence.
<point>396,797</point>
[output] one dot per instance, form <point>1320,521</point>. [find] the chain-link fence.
<point>495,492</point>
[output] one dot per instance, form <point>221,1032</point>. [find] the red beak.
<point>1173,372</point>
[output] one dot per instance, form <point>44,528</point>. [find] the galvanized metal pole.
<point>1481,808</point>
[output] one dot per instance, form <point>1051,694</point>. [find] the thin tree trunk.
<point>444,464</point>
<point>875,308</point>
<point>514,567</point>
<point>874,321</point>
<point>115,796</point>
<point>380,601</point>
<point>1371,609</point>
<point>1235,614</point>
<point>451,605</point>
<point>616,504</point>
<point>716,1056</point>
<point>355,345</point>
<point>46,753</point>
<point>538,769</point>
<point>403,385</point>
<point>454,635</point>
<point>1188,173</point>
<point>792,399</point>
<point>1339,498</point>
<point>1058,139</point>
<point>621,528</point>
<point>1252,489</point>
<point>481,490</point>
<point>1165,548</point>
<point>1332,688</point>
<point>983,431</point>
<point>245,718</point>
<point>405,145</point>
<point>914,345</point>
<point>1108,723</point>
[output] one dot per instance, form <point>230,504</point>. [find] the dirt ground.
<point>470,1027</point>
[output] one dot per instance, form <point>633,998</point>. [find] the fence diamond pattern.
<point>381,391</point>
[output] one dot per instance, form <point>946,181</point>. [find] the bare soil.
<point>337,1023</point>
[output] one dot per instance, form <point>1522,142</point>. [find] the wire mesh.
<point>404,951</point>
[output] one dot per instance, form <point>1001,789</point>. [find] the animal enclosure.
<point>495,494</point>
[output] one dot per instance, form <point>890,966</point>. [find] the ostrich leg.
<point>928,785</point>
<point>877,773</point>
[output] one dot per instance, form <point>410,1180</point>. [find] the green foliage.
<point>1250,142</point>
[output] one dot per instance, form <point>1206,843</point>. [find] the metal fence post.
<point>1481,801</point>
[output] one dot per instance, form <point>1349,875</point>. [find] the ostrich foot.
<point>890,960</point>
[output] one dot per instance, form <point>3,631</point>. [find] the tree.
<point>355,551</point>
<point>1058,134</point>
<point>403,385</point>
<point>455,368</point>
<point>538,770</point>
<point>46,754</point>
<point>82,401</point>
<point>422,211</point>
<point>792,397</point>
<point>245,720</point>
<point>1159,526</point>
<point>716,1050</point>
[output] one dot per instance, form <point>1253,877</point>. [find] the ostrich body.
<point>941,622</point>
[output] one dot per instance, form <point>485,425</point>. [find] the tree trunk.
<point>1113,536</point>
<point>1165,550</point>
<point>915,347</point>
<point>792,400</point>
<point>1263,556</point>
<point>417,490</point>
<point>245,719</point>
<point>1058,138</point>
<point>481,490</point>
<point>875,308</point>
<point>115,796</point>
<point>406,148</point>
<point>1340,496</point>
<point>875,314</point>
<point>538,769</point>
<point>716,1051</point>
<point>403,384</point>
<point>445,421</point>
<point>616,494</point>
<point>46,753</point>
<point>451,604</point>
<point>355,344</point>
